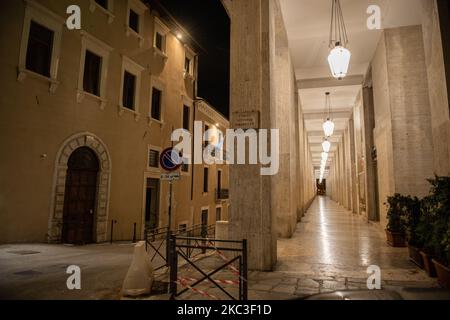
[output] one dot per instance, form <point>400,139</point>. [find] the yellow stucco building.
<point>84,117</point>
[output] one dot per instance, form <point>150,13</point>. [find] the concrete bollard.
<point>222,234</point>
<point>139,278</point>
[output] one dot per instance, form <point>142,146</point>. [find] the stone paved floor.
<point>38,271</point>
<point>331,250</point>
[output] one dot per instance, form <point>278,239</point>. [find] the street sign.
<point>173,176</point>
<point>169,160</point>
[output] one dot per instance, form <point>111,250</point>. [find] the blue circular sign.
<point>170,159</point>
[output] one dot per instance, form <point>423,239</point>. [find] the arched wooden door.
<point>80,197</point>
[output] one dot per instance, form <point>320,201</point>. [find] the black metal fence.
<point>156,242</point>
<point>181,248</point>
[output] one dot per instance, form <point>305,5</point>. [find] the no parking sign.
<point>170,160</point>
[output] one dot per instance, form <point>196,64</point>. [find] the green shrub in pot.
<point>411,219</point>
<point>396,214</point>
<point>439,211</point>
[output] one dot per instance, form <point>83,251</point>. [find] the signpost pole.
<point>169,229</point>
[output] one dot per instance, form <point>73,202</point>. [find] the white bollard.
<point>139,278</point>
<point>222,234</point>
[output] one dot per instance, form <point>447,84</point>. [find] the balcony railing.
<point>222,194</point>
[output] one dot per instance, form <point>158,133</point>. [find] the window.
<point>133,21</point>
<point>219,180</point>
<point>205,179</point>
<point>105,6</point>
<point>189,56</point>
<point>159,39</point>
<point>218,214</point>
<point>130,87</point>
<point>206,143</point>
<point>187,64</point>
<point>39,52</point>
<point>186,118</point>
<point>102,3</point>
<point>93,72</point>
<point>91,79</point>
<point>156,104</point>
<point>153,159</point>
<point>129,90</point>
<point>40,44</point>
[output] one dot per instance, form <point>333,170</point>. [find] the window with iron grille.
<point>39,50</point>
<point>182,228</point>
<point>153,159</point>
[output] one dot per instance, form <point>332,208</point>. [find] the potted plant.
<point>412,219</point>
<point>440,212</point>
<point>395,230</point>
<point>424,232</point>
<point>442,265</point>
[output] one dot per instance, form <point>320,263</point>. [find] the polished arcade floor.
<point>332,241</point>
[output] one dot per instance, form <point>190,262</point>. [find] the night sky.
<point>208,23</point>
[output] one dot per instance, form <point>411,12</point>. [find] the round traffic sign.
<point>170,159</point>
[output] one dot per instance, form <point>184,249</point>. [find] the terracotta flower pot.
<point>443,274</point>
<point>395,239</point>
<point>428,265</point>
<point>415,256</point>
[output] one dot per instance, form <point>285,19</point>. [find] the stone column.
<point>402,115</point>
<point>251,214</point>
<point>283,89</point>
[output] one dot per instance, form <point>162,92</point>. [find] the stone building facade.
<point>84,125</point>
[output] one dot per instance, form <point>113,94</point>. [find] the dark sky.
<point>208,22</point>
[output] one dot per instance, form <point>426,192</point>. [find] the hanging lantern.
<point>339,57</point>
<point>328,125</point>
<point>326,145</point>
<point>328,128</point>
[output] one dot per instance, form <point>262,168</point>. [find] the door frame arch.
<point>90,140</point>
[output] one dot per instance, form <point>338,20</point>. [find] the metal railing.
<point>156,241</point>
<point>179,246</point>
<point>222,194</point>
